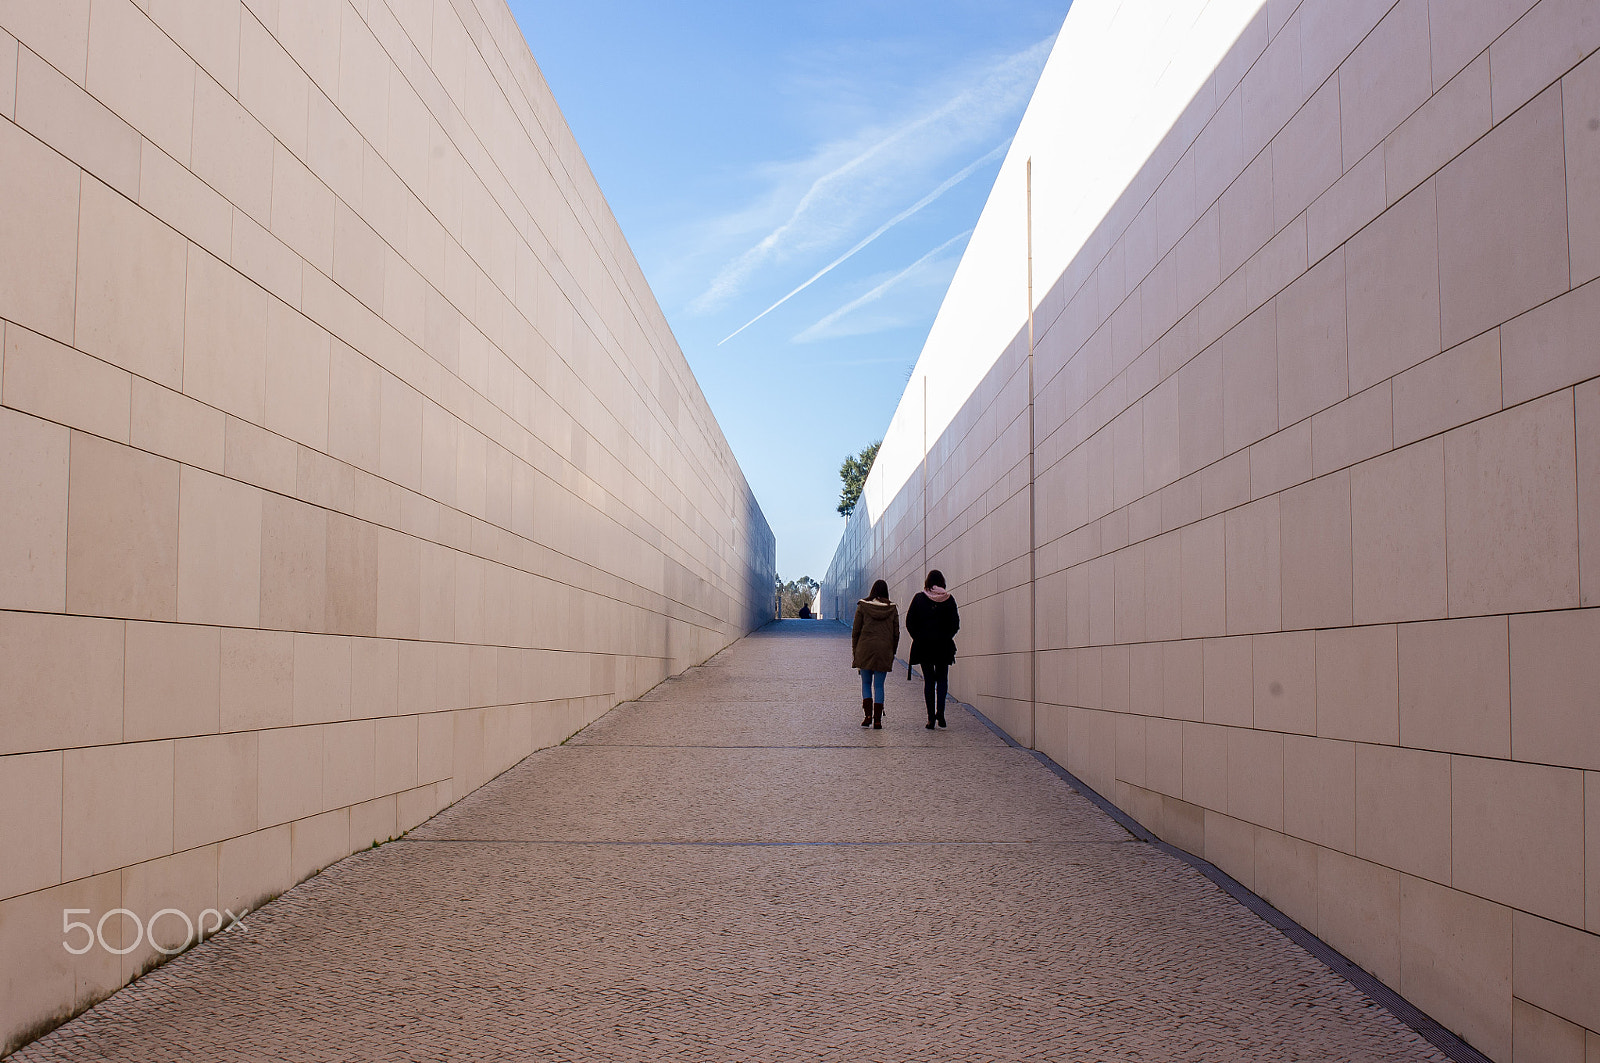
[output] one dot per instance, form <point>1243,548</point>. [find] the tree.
<point>854,474</point>
<point>795,594</point>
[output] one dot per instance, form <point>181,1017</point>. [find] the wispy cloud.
<point>826,328</point>
<point>859,174</point>
<point>944,186</point>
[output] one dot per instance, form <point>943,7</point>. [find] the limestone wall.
<point>1317,461</point>
<point>345,455</point>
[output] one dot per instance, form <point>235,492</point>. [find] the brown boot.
<point>877,716</point>
<point>866,711</point>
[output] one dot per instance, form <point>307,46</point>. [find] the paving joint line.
<point>706,844</point>
<point>1420,1022</point>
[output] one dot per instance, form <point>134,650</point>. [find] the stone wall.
<point>1316,546</point>
<point>345,455</point>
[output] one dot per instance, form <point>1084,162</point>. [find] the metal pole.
<point>1033,575</point>
<point>924,472</point>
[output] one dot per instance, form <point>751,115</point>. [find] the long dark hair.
<point>880,591</point>
<point>935,579</point>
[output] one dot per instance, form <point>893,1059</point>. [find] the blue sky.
<point>798,181</point>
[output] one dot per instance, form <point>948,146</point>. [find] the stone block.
<point>57,111</point>
<point>30,833</point>
<point>272,86</point>
<point>57,383</point>
<point>225,338</point>
<point>322,672</point>
<point>1448,390</point>
<point>175,426</point>
<point>1511,514</point>
<point>130,287</point>
<point>317,841</point>
<point>1205,765</point>
<point>1360,427</point>
<point>1319,796</point>
<point>1358,684</point>
<point>1254,583</point>
<point>1230,845</point>
<point>40,190</point>
<point>1556,968</point>
<point>1402,810</point>
<point>58,32</point>
<point>116,806</point>
<point>1517,835</point>
<point>1455,687</point>
<point>1551,346</point>
<point>1358,911</point>
<point>1316,575</point>
<point>1555,674</point>
<point>290,764</point>
<point>1250,380</point>
<point>157,891</point>
<point>1286,875</point>
<point>1305,155</point>
<point>216,788</point>
<point>219,550</point>
<point>1204,577</point>
<point>1439,130</point>
<point>60,681</point>
<point>252,868</point>
<point>33,523</point>
<point>1228,668</point>
<point>1285,682</point>
<point>1343,210</point>
<point>1255,777</point>
<point>1580,100</point>
<point>1392,281</point>
<point>1587,408</point>
<point>122,532</point>
<point>1384,79</point>
<point>1503,223</point>
<point>257,680</point>
<point>1397,509</point>
<point>294,565</point>
<point>1537,1034</point>
<point>1312,357</point>
<point>144,77</point>
<point>173,681</point>
<point>1538,48</point>
<point>1455,961</point>
<point>348,757</point>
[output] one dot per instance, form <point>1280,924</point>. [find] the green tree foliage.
<point>795,594</point>
<point>854,474</point>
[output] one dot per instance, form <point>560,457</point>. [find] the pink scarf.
<point>937,594</point>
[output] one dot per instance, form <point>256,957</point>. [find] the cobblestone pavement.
<point>733,868</point>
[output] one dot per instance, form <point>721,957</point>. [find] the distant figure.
<point>932,621</point>
<point>873,639</point>
<point>805,611</point>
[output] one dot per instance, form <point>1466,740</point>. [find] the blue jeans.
<point>872,685</point>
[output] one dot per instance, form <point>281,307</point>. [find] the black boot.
<point>940,717</point>
<point>877,716</point>
<point>929,724</point>
<point>866,712</point>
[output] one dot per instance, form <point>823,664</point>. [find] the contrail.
<point>877,292</point>
<point>948,184</point>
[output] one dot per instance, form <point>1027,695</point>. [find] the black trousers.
<point>935,687</point>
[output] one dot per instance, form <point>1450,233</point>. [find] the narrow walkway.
<point>732,868</point>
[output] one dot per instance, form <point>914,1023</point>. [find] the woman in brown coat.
<point>874,637</point>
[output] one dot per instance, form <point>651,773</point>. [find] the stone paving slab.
<point>776,795</point>
<point>1005,923</point>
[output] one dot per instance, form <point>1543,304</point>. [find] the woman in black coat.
<point>932,621</point>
